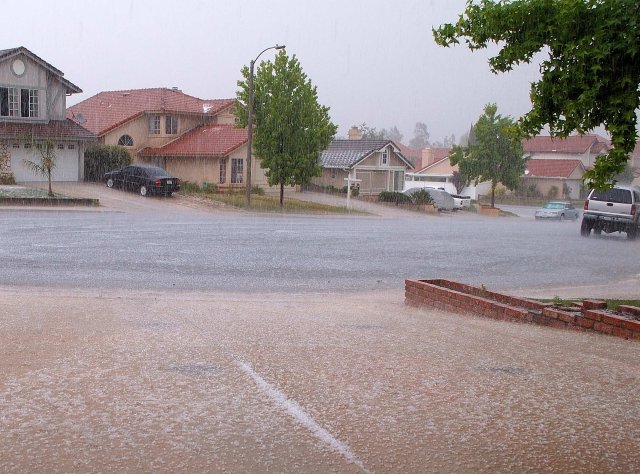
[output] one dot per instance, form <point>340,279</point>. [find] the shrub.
<point>188,187</point>
<point>528,191</point>
<point>421,196</point>
<point>393,196</point>
<point>553,192</point>
<point>98,159</point>
<point>257,190</point>
<point>7,178</point>
<point>354,190</point>
<point>210,188</point>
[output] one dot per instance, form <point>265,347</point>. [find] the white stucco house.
<point>33,110</point>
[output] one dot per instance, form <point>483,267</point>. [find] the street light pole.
<point>250,121</point>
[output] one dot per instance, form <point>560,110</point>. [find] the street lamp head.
<point>280,47</point>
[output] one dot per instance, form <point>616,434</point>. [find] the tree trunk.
<point>493,195</point>
<point>50,190</point>
<point>281,196</point>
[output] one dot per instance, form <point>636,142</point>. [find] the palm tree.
<point>47,161</point>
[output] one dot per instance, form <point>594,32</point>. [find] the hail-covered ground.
<point>180,381</point>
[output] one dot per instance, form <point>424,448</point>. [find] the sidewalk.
<point>359,205</point>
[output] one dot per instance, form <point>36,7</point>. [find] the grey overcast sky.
<point>372,61</point>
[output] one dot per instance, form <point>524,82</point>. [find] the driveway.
<point>124,201</point>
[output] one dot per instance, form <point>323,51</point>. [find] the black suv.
<point>143,179</point>
<point>612,210</point>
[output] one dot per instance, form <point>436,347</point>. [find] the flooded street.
<point>198,340</point>
<point>172,381</point>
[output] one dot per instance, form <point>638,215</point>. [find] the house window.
<point>16,145</point>
<point>16,102</point>
<point>171,125</point>
<point>9,102</point>
<point>384,160</point>
<point>334,174</point>
<point>27,145</point>
<point>33,103</point>
<point>223,171</point>
<point>71,146</point>
<point>125,140</point>
<point>154,124</point>
<point>60,146</point>
<point>236,171</point>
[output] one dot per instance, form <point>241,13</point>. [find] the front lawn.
<point>263,203</point>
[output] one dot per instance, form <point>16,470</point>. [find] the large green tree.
<point>291,127</point>
<point>591,76</point>
<point>494,153</point>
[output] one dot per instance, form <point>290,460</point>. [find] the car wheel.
<point>597,231</point>
<point>110,183</point>
<point>585,228</point>
<point>561,217</point>
<point>143,190</point>
<point>632,234</point>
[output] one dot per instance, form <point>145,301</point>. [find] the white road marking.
<point>301,416</point>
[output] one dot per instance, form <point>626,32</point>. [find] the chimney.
<point>355,133</point>
<point>427,157</point>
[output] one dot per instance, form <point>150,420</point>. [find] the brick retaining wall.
<point>590,315</point>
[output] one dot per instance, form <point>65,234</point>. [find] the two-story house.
<point>193,139</point>
<point>33,110</point>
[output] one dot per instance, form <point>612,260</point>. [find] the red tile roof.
<point>577,144</point>
<point>440,154</point>
<point>408,152</point>
<point>55,130</point>
<point>107,110</point>
<point>552,168</point>
<point>206,140</point>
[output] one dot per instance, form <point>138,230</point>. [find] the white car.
<point>557,210</point>
<point>461,202</point>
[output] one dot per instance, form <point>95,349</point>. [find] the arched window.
<point>125,140</point>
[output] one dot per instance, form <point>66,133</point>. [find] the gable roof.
<point>54,129</point>
<point>343,153</point>
<point>6,54</point>
<point>552,168</point>
<point>108,110</point>
<point>575,144</point>
<point>205,140</point>
<point>439,163</point>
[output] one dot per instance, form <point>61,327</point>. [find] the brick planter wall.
<point>489,211</point>
<point>590,315</point>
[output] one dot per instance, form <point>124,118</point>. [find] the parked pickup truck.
<point>461,202</point>
<point>613,210</point>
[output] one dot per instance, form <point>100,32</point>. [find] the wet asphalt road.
<point>274,253</point>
